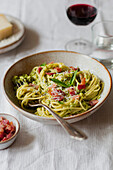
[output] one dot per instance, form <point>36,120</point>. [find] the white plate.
<point>14,40</point>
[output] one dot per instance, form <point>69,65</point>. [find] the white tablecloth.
<point>45,147</point>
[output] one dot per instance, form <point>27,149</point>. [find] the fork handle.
<point>72,131</point>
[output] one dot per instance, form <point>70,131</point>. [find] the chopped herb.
<point>60,83</point>
<point>73,77</point>
<point>43,64</point>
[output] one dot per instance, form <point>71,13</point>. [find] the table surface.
<point>40,146</point>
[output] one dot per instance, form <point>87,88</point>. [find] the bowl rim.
<point>18,127</point>
<point>50,118</point>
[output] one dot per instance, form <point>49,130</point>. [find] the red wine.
<point>81,14</point>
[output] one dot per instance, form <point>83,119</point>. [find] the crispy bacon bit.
<point>49,90</point>
<point>76,97</point>
<point>80,86</point>
<point>61,92</point>
<point>1,130</point>
<point>7,129</point>
<point>4,138</point>
<point>83,81</point>
<point>5,121</point>
<point>9,135</point>
<point>54,93</point>
<point>51,87</point>
<point>72,91</point>
<point>50,74</point>
<point>58,95</point>
<point>58,69</point>
<point>58,98</point>
<point>93,102</point>
<point>39,69</point>
<point>73,68</point>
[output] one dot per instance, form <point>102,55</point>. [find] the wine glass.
<point>81,13</point>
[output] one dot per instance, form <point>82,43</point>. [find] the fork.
<point>71,130</point>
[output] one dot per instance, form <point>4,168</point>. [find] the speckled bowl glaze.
<point>69,58</point>
<point>9,142</point>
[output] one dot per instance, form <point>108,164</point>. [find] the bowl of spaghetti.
<point>73,85</point>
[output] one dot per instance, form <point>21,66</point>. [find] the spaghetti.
<point>66,90</point>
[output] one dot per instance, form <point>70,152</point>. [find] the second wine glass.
<point>81,13</point>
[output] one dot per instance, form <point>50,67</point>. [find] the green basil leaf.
<point>60,83</point>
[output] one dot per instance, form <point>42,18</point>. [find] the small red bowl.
<point>8,142</point>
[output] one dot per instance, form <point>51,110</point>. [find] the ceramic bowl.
<point>69,58</point>
<point>8,142</point>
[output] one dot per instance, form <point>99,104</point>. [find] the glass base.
<point>80,46</point>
